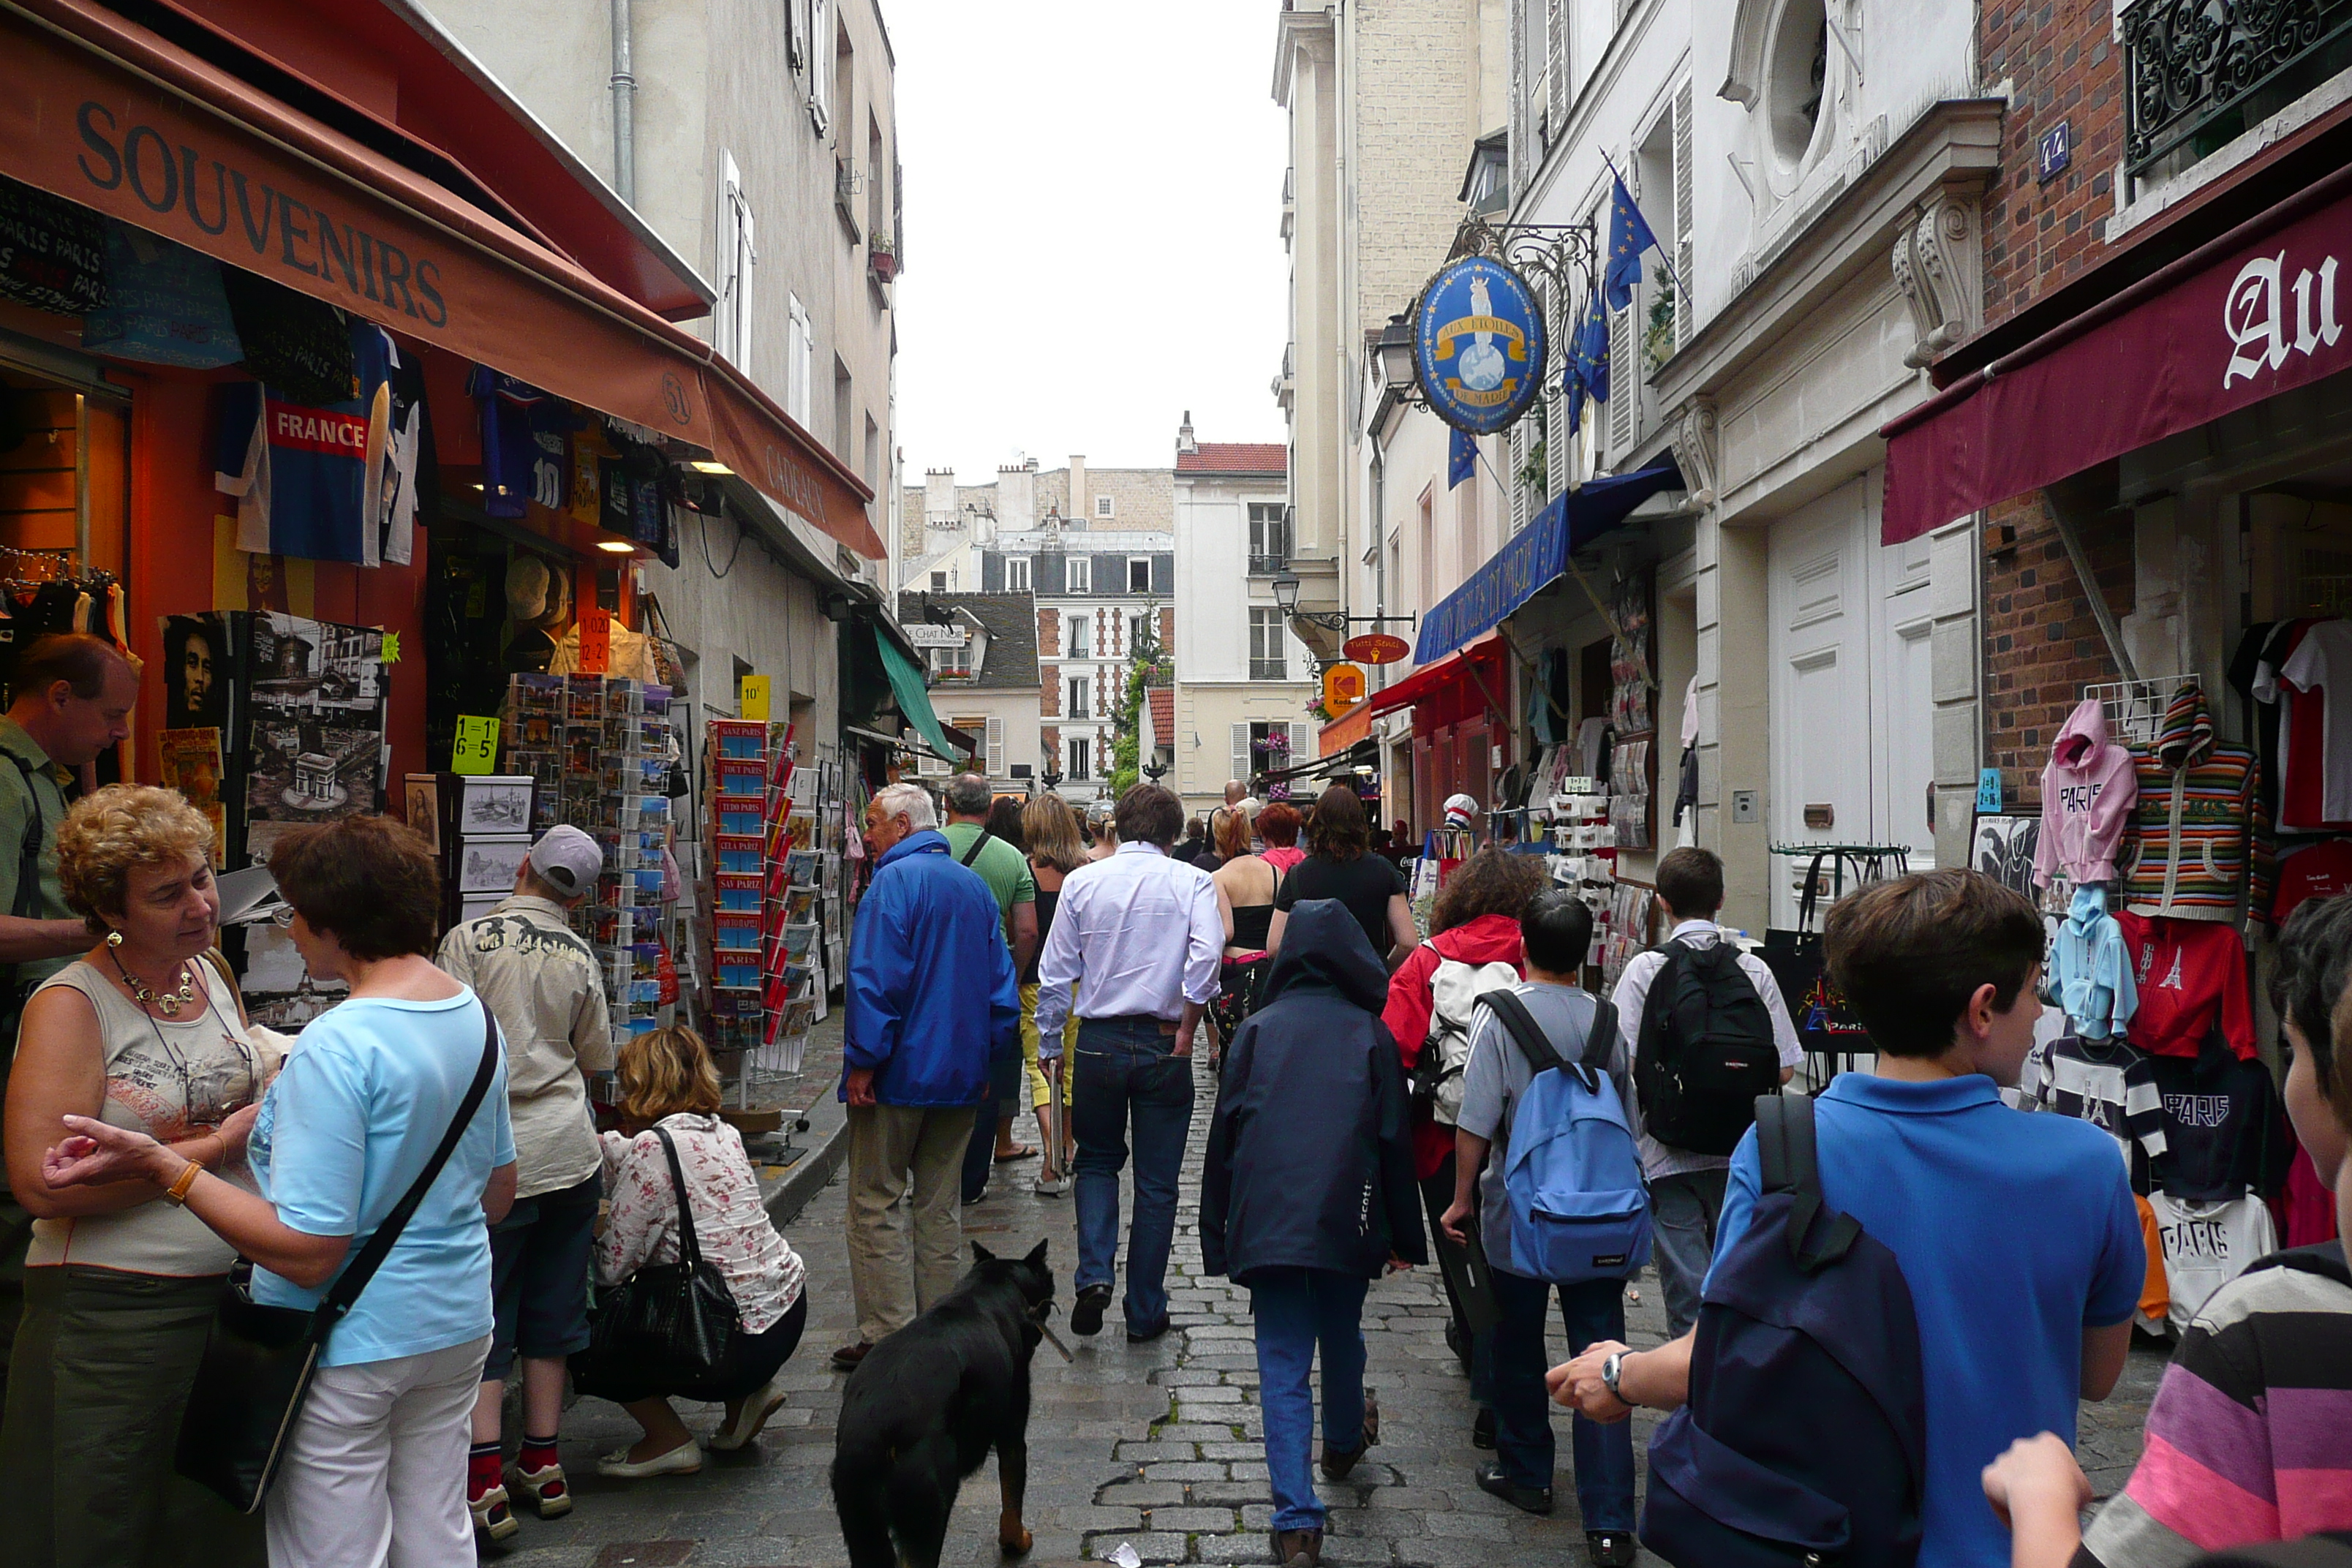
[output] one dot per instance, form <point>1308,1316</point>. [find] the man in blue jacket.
<point>929,939</point>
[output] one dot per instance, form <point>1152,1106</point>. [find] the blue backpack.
<point>1805,1438</point>
<point>1574,1180</point>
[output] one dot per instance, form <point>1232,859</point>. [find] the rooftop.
<point>1010,661</point>
<point>1234,458</point>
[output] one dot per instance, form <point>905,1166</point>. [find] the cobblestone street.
<point>1153,1445</point>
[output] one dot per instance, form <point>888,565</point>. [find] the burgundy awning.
<point>2248,315</point>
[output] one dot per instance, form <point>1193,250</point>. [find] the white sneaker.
<point>746,1426</point>
<point>683,1460</point>
<point>1050,1186</point>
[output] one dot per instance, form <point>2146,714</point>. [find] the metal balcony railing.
<point>2190,64</point>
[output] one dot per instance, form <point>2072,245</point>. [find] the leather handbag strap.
<point>689,1252</point>
<point>978,845</point>
<point>347,1288</point>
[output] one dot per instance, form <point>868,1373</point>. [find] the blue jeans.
<point>1684,1209</point>
<point>1123,1066</point>
<point>1003,1101</point>
<point>1296,1309</point>
<point>1592,1311</point>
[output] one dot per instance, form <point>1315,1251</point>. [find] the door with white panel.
<point>1819,649</point>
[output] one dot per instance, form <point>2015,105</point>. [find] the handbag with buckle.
<point>260,1360</point>
<point>670,1326</point>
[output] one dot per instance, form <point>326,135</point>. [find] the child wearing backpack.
<point>1560,1208</point>
<point>2001,1252</point>
<point>1706,1031</point>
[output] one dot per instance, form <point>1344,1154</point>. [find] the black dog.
<point>926,1405</point>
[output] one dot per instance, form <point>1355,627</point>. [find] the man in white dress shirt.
<point>1140,936</point>
<point>1686,1188</point>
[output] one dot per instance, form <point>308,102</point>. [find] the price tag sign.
<point>477,750</point>
<point>753,698</point>
<point>595,641</point>
<point>1989,789</point>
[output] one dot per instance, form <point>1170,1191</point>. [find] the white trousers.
<point>374,1471</point>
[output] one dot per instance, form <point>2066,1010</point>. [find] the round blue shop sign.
<point>1478,344</point>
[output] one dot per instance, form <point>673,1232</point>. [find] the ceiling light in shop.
<point>719,468</point>
<point>617,546</point>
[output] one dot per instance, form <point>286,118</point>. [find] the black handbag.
<point>670,1326</point>
<point>260,1360</point>
<point>1825,1024</point>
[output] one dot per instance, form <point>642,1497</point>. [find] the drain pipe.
<point>624,108</point>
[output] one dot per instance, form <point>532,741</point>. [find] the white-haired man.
<point>927,939</point>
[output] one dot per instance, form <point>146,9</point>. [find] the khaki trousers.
<point>889,1144</point>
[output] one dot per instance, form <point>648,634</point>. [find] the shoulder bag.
<point>1825,1026</point>
<point>670,1326</point>
<point>260,1360</point>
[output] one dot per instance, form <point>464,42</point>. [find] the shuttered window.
<point>1685,312</point>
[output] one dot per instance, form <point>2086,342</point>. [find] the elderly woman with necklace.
<point>145,1032</point>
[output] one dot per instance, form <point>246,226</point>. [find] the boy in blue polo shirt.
<point>2016,1233</point>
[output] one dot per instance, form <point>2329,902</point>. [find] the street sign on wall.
<point>1478,344</point>
<point>1376,648</point>
<point>1343,688</point>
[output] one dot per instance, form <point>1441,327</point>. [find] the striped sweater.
<point>2200,847</point>
<point>2250,1438</point>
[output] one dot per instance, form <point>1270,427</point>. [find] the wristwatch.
<point>1613,1365</point>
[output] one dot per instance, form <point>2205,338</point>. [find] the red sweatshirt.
<point>1489,939</point>
<point>2188,974</point>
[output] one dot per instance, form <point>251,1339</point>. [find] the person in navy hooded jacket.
<point>928,945</point>
<point>1309,1193</point>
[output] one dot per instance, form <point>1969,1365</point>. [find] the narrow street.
<point>1153,1445</point>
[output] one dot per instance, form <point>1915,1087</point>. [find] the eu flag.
<point>1628,236</point>
<point>1587,374</point>
<point>1462,462</point>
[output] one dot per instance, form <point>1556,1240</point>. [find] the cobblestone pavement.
<point>1153,1445</point>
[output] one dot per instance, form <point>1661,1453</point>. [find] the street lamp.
<point>1285,594</point>
<point>1395,349</point>
<point>1155,769</point>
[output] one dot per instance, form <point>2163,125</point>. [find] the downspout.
<point>624,108</point>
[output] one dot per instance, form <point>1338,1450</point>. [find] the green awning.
<point>914,701</point>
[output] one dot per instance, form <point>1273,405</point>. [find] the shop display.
<point>2207,1244</point>
<point>2091,971</point>
<point>2226,1131</point>
<point>2088,791</point>
<point>2200,845</point>
<point>2190,977</point>
<point>2108,1084</point>
<point>767,966</point>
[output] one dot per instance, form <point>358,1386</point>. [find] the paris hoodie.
<point>2087,795</point>
<point>2096,984</point>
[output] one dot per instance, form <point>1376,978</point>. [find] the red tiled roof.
<point>1163,712</point>
<point>1234,458</point>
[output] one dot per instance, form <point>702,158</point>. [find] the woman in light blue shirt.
<point>374,1469</point>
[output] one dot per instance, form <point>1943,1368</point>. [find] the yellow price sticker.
<point>753,698</point>
<point>391,647</point>
<point>477,750</point>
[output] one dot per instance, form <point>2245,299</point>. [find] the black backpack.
<point>1805,1438</point>
<point>1706,1052</point>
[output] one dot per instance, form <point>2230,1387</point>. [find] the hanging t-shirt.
<point>2206,1245</point>
<point>2190,974</point>
<point>308,480</point>
<point>2317,789</point>
<point>163,305</point>
<point>526,444</point>
<point>2106,1083</point>
<point>2225,1127</point>
<point>301,345</point>
<point>52,252</point>
<point>2321,872</point>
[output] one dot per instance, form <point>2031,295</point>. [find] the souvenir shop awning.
<point>914,701</point>
<point>105,113</point>
<point>1536,555</point>
<point>1480,663</point>
<point>2245,316</point>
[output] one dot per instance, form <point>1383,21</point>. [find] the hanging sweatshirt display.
<point>2207,1244</point>
<point>2088,791</point>
<point>2225,1128</point>
<point>2315,734</point>
<point>309,480</point>
<point>2108,1084</point>
<point>2091,968</point>
<point>2188,977</point>
<point>164,304</point>
<point>526,444</point>
<point>2200,843</point>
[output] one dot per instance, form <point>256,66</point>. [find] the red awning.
<point>2252,313</point>
<point>1481,662</point>
<point>103,113</point>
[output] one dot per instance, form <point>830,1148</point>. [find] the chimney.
<point>1016,496</point>
<point>1185,445</point>
<point>938,497</point>
<point>1081,505</point>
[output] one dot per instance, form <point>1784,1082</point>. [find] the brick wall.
<point>2060,56</point>
<point>2043,644</point>
<point>1049,690</point>
<point>1168,630</point>
<point>1049,631</point>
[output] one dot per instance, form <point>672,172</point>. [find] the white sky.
<point>1093,196</point>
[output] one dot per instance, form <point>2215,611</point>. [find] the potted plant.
<point>882,255</point>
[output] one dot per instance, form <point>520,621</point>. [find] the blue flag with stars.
<point>1462,462</point>
<point>1628,236</point>
<point>1587,374</point>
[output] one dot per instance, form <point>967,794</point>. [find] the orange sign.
<point>595,641</point>
<point>1343,689</point>
<point>1376,648</point>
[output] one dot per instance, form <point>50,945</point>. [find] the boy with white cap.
<point>540,979</point>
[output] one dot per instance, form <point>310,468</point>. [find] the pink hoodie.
<point>2087,795</point>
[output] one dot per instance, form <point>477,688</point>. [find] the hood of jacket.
<point>926,841</point>
<point>1489,939</point>
<point>1323,946</point>
<point>2089,908</point>
<point>2083,736</point>
<point>2185,737</point>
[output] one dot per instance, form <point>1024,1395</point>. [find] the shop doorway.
<point>1853,744</point>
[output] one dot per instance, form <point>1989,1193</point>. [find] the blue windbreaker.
<point>932,994</point>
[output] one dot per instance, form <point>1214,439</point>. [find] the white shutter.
<point>1241,754</point>
<point>820,55</point>
<point>800,350</point>
<point>1518,458</point>
<point>1520,77</point>
<point>1624,379</point>
<point>1685,318</point>
<point>1556,18</point>
<point>996,747</point>
<point>1299,743</point>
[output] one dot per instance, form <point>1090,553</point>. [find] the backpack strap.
<point>1599,1035</point>
<point>2332,1549</point>
<point>978,845</point>
<point>1786,1154</point>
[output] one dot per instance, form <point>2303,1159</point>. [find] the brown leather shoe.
<point>1298,1548</point>
<point>846,1358</point>
<point>1337,1462</point>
